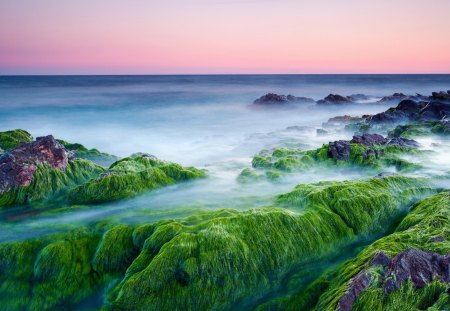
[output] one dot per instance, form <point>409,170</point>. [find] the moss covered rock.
<point>12,139</point>
<point>93,155</point>
<point>131,176</point>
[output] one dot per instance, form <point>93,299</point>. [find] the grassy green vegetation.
<point>215,260</point>
<point>414,130</point>
<point>131,176</point>
<point>426,221</point>
<point>50,184</point>
<point>376,158</point>
<point>93,155</point>
<point>12,139</point>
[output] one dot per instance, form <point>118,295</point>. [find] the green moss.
<point>129,177</point>
<point>415,130</point>
<point>12,139</point>
<point>261,162</point>
<point>248,175</point>
<point>93,155</point>
<point>50,184</point>
<point>426,220</point>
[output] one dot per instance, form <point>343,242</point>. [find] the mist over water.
<point>204,121</point>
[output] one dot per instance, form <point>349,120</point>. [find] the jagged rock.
<point>440,95</point>
<point>418,266</point>
<point>334,99</point>
<point>408,110</point>
<point>339,150</point>
<point>275,99</point>
<point>17,166</point>
<point>369,139</point>
<point>393,97</point>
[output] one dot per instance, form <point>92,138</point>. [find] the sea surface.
<point>201,120</point>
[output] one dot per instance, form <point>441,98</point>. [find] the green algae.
<point>232,258</point>
<point>414,130</point>
<point>375,159</point>
<point>129,177</point>
<point>12,139</point>
<point>428,219</point>
<point>50,184</point>
<point>93,155</point>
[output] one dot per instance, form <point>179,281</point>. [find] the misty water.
<point>202,121</point>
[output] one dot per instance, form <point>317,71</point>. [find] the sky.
<point>224,36</point>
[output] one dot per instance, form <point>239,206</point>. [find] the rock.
<point>275,99</point>
<point>438,238</point>
<point>393,97</point>
<point>434,110</point>
<point>357,285</point>
<point>144,155</point>
<point>334,99</point>
<point>369,140</point>
<point>339,150</point>
<point>418,266</point>
<point>440,96</point>
<point>341,120</point>
<point>402,142</point>
<point>17,166</point>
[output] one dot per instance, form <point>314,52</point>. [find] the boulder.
<point>394,97</point>
<point>335,99</point>
<point>339,150</point>
<point>17,166</point>
<point>272,99</point>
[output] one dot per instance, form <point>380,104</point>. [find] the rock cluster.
<point>418,266</point>
<point>340,150</point>
<point>17,166</point>
<point>334,99</point>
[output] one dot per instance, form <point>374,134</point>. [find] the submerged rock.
<point>18,166</point>
<point>272,99</point>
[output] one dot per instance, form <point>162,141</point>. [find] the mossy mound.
<point>376,158</point>
<point>12,139</point>
<point>216,260</point>
<point>131,176</point>
<point>414,130</point>
<point>425,228</point>
<point>51,185</point>
<point>93,155</point>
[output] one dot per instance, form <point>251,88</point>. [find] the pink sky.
<point>224,36</point>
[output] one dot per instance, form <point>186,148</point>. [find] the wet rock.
<point>438,238</point>
<point>369,139</point>
<point>339,150</point>
<point>17,166</point>
<point>271,99</point>
<point>341,120</point>
<point>393,97</point>
<point>418,266</point>
<point>334,99</point>
<point>357,285</point>
<point>434,111</point>
<point>441,96</point>
<point>380,259</point>
<point>402,142</point>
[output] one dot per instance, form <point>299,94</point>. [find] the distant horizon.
<point>220,74</point>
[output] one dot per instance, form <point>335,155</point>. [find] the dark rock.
<point>275,99</point>
<point>410,110</point>
<point>380,259</point>
<point>356,286</point>
<point>418,266</point>
<point>369,140</point>
<point>402,142</point>
<point>441,95</point>
<point>339,150</point>
<point>17,166</point>
<point>393,97</point>
<point>334,99</point>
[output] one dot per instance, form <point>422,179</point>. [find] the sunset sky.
<point>224,36</point>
